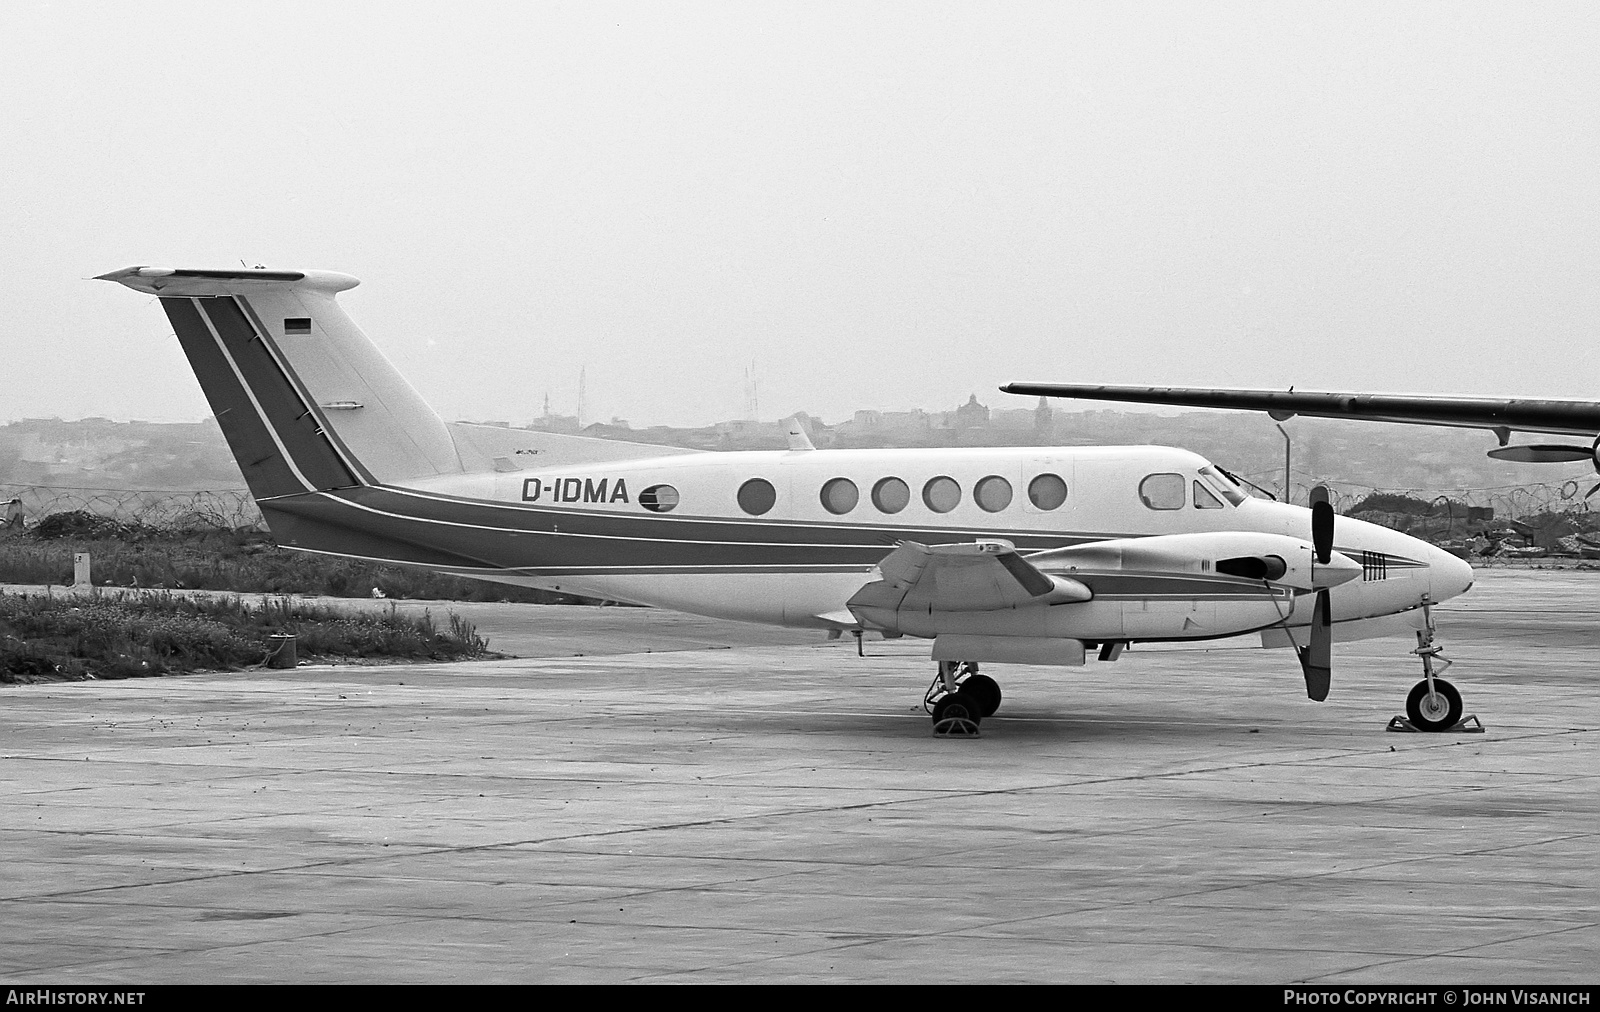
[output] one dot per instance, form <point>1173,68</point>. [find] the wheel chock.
<point>1470,724</point>
<point>955,727</point>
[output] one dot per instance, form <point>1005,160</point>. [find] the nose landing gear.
<point>959,699</point>
<point>1433,704</point>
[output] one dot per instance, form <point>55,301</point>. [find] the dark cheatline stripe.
<point>263,466</point>
<point>296,423</point>
<point>423,530</point>
<point>407,528</point>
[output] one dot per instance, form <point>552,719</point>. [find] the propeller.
<point>1316,659</point>
<point>1551,453</point>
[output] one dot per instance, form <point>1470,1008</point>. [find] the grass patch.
<point>141,634</point>
<point>131,555</point>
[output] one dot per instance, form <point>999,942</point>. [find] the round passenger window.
<point>992,494</point>
<point>891,495</point>
<point>1047,491</point>
<point>757,496</point>
<point>1163,491</point>
<point>659,498</point>
<point>941,494</point>
<point>839,495</point>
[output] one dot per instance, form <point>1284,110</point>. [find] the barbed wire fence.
<point>216,509</point>
<point>1509,502</point>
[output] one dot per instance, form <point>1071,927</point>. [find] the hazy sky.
<point>878,205</point>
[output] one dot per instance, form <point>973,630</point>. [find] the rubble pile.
<point>1474,533</point>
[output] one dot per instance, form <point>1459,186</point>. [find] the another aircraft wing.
<point>1572,418</point>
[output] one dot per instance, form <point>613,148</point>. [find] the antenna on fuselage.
<point>799,439</point>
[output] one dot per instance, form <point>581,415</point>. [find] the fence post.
<point>80,572</point>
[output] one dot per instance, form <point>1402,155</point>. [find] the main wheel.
<point>958,704</point>
<point>985,690</point>
<point>1437,711</point>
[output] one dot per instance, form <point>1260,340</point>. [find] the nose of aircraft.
<point>1448,576</point>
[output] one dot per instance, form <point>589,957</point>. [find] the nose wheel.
<point>1433,704</point>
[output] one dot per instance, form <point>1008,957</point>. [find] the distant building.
<point>1012,419</point>
<point>971,415</point>
<point>555,423</point>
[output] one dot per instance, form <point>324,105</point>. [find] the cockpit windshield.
<point>1225,484</point>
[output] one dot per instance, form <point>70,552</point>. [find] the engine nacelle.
<point>1251,555</point>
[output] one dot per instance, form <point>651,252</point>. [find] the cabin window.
<point>992,494</point>
<point>659,498</point>
<point>840,495</point>
<point>757,496</point>
<point>1047,491</point>
<point>891,495</point>
<point>1163,491</point>
<point>941,494</point>
<point>1203,499</point>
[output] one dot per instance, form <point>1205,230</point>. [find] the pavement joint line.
<point>145,955</point>
<point>437,851</point>
<point>924,794</point>
<point>1465,949</point>
<point>1093,908</point>
<point>972,933</point>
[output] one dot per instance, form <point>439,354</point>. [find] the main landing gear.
<point>960,698</point>
<point>1433,704</point>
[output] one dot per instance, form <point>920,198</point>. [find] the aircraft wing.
<point>1572,418</point>
<point>978,576</point>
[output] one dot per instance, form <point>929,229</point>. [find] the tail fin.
<point>304,398</point>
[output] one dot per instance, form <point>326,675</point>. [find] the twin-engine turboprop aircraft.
<point>1024,555</point>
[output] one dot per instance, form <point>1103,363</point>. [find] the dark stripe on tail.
<point>328,432</point>
<point>276,411</point>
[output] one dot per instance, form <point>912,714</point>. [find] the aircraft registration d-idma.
<point>1025,555</point>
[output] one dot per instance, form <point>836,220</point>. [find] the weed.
<point>130,555</point>
<point>154,633</point>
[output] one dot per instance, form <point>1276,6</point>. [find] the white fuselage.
<point>775,566</point>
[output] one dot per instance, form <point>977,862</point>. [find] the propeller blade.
<point>1316,660</point>
<point>1321,524</point>
<point>1542,453</point>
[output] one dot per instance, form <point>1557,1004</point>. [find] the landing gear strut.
<point>960,698</point>
<point>1433,704</point>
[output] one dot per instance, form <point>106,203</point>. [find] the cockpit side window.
<point>1163,491</point>
<point>1203,499</point>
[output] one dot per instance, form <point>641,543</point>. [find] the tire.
<point>1437,714</point>
<point>958,704</point>
<point>985,690</point>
